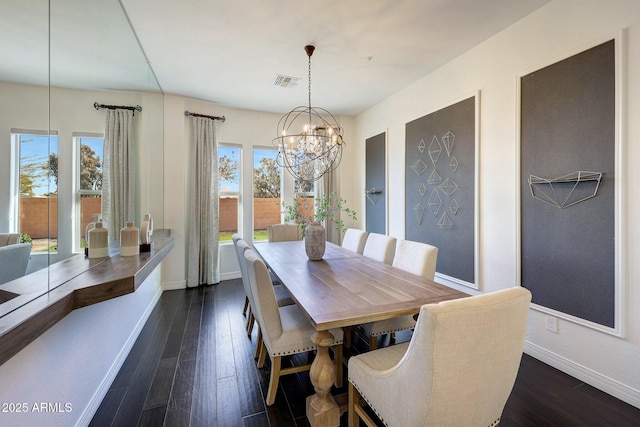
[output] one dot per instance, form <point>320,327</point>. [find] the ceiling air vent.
<point>285,81</point>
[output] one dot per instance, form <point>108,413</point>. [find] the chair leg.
<point>250,320</point>
<point>256,352</point>
<point>347,336</point>
<point>337,360</point>
<point>263,355</point>
<point>356,411</point>
<point>274,380</point>
<point>354,396</point>
<point>246,305</point>
<point>373,343</point>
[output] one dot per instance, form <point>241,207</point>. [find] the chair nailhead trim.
<point>493,424</point>
<point>302,350</point>
<point>377,334</point>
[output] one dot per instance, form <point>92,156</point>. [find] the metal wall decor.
<point>373,194</point>
<point>566,190</point>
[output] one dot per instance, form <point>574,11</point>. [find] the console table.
<point>74,283</point>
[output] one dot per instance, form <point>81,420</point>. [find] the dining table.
<point>340,290</point>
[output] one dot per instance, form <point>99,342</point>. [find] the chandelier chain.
<point>309,79</point>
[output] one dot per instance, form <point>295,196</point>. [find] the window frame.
<point>78,192</point>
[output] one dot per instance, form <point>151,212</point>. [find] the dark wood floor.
<point>193,365</point>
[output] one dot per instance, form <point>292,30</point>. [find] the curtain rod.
<point>98,106</point>
<point>189,113</point>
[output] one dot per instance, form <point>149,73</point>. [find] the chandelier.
<point>309,139</point>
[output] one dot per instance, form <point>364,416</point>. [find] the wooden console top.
<point>75,282</point>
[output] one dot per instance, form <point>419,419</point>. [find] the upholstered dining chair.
<point>354,240</point>
<point>282,296</point>
<point>285,330</point>
<point>284,232</point>
<point>380,247</point>
<point>414,257</point>
<point>460,365</point>
<point>235,237</point>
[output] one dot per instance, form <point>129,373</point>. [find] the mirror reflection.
<point>57,58</point>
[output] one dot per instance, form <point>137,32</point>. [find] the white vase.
<point>91,226</point>
<point>129,240</point>
<point>98,242</point>
<point>315,241</point>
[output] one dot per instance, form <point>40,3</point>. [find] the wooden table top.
<point>345,288</point>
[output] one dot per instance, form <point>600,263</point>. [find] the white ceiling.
<point>229,52</point>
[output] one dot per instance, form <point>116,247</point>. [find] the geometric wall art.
<point>440,192</point>
<point>567,186</point>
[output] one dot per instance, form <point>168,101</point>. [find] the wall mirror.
<point>57,58</point>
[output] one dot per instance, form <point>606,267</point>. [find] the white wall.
<point>243,127</point>
<point>554,32</point>
<point>73,364</point>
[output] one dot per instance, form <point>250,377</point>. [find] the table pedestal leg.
<point>322,410</point>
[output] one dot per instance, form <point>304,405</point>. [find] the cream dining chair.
<point>284,232</point>
<point>282,296</point>
<point>354,240</point>
<point>235,237</point>
<point>380,247</point>
<point>414,257</point>
<point>285,330</point>
<point>460,365</point>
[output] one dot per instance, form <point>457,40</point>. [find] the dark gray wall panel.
<point>568,125</point>
<point>376,214</point>
<point>427,170</point>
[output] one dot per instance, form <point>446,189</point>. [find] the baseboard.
<point>101,392</point>
<point>171,286</point>
<point>182,284</point>
<point>608,385</point>
<point>230,276</point>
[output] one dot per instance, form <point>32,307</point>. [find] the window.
<point>266,191</point>
<point>35,201</point>
<point>229,190</point>
<point>305,197</point>
<point>89,158</point>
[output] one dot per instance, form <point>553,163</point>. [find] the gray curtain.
<point>325,186</point>
<point>118,176</point>
<point>204,233</point>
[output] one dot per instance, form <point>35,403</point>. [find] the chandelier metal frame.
<point>313,149</point>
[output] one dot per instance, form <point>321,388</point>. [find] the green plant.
<point>25,238</point>
<point>327,208</point>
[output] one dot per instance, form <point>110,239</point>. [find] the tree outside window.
<point>229,190</point>
<point>89,184</point>
<point>36,189</point>
<point>266,191</point>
